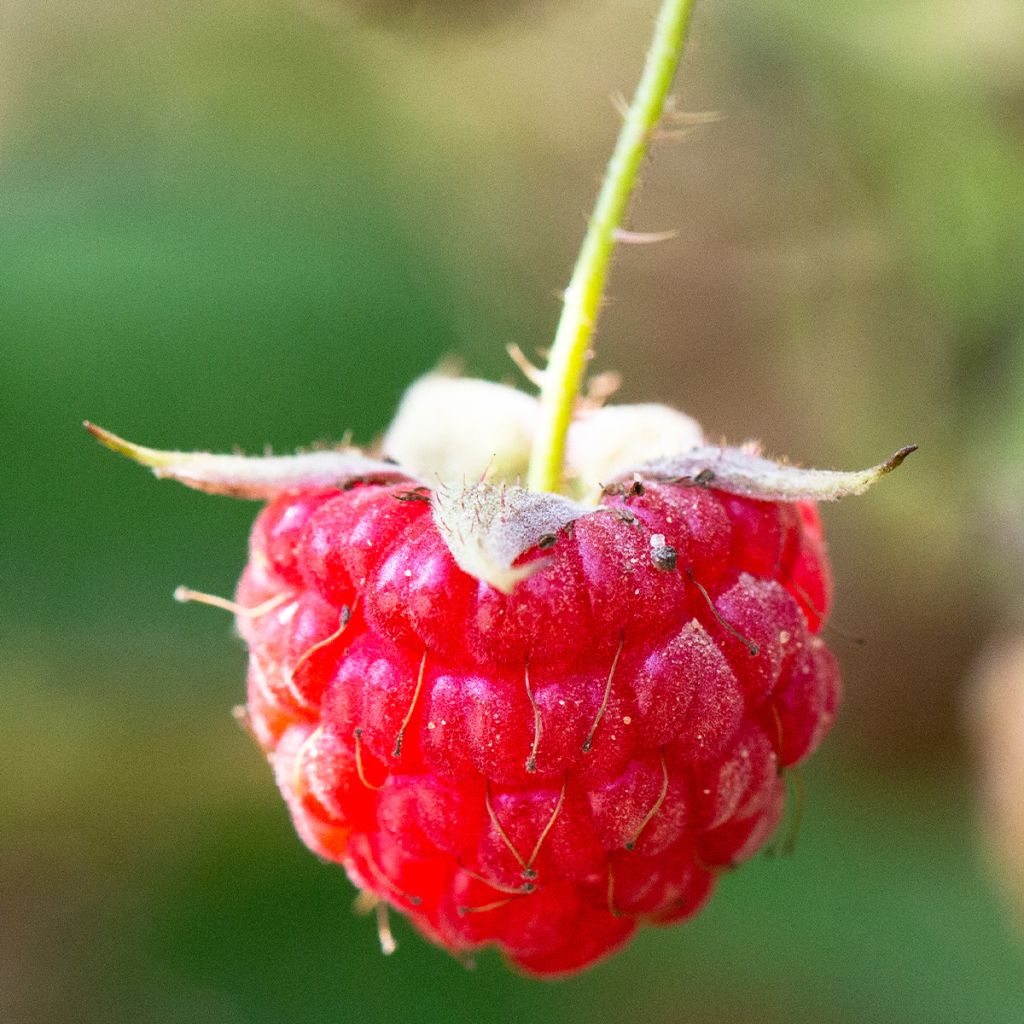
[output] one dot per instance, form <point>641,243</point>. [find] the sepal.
<point>742,472</point>
<point>258,477</point>
<point>488,527</point>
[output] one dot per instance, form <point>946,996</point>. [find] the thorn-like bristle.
<point>345,616</point>
<point>612,909</point>
<point>502,833</point>
<point>531,761</point>
<point>631,845</point>
<point>397,751</point>
<point>694,117</point>
<point>185,595</point>
<point>534,374</point>
<point>753,649</point>
<point>359,761</point>
<point>389,885</point>
<point>496,905</point>
<point>496,886</point>
<point>644,237</point>
<point>384,934</point>
<point>589,741</point>
<point>544,834</point>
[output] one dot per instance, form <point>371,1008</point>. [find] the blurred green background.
<point>230,223</point>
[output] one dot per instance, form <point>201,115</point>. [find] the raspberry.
<point>525,719</point>
<point>545,769</point>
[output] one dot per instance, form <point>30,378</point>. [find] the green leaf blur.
<point>253,224</point>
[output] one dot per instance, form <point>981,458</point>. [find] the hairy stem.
<point>582,300</point>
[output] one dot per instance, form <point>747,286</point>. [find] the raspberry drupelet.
<point>546,769</point>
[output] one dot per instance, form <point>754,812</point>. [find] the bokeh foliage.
<point>249,224</point>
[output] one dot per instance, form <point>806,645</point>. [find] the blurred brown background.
<point>231,223</point>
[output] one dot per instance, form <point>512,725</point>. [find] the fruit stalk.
<point>582,299</point>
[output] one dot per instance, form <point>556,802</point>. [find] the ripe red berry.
<point>545,769</point>
<point>522,719</point>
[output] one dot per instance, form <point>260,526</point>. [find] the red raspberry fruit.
<point>546,769</point>
<point>521,719</point>
<point>527,720</point>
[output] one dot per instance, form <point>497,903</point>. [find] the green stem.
<point>582,300</point>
